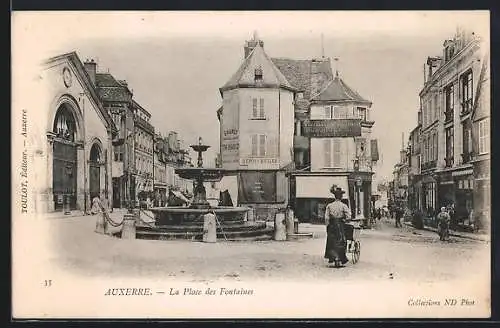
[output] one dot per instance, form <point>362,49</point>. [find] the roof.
<point>73,58</point>
<point>338,90</point>
<point>136,104</point>
<point>110,89</point>
<point>244,76</point>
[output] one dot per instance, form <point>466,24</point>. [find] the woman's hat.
<point>336,190</point>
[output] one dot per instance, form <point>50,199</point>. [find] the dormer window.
<point>258,74</point>
<point>300,95</point>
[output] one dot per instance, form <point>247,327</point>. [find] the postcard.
<point>319,164</point>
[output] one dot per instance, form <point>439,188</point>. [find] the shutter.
<point>328,112</point>
<point>262,145</point>
<point>337,152</point>
<point>327,152</point>
<point>262,113</point>
<point>254,145</point>
<point>254,107</point>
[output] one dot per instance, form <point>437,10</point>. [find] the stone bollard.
<point>279,227</point>
<point>128,227</point>
<point>101,224</point>
<point>251,215</point>
<point>295,225</point>
<point>209,228</point>
<point>289,221</point>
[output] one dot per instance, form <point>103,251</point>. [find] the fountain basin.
<point>186,215</point>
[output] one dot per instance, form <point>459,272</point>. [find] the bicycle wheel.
<point>356,252</point>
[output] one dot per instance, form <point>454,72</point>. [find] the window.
<point>258,108</point>
<point>339,112</point>
<point>118,153</point>
<point>328,112</point>
<point>484,136</point>
<point>436,107</point>
<point>431,148</point>
<point>362,113</point>
<point>449,102</point>
<point>466,96</point>
<point>332,148</point>
<point>259,145</point>
<point>466,140</point>
<point>449,147</point>
<point>435,146</point>
<point>258,74</point>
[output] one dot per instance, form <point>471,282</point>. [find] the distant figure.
<point>399,214</point>
<point>443,224</point>
<point>225,198</point>
<point>96,206</point>
<point>336,213</point>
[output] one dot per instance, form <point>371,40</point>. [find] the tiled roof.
<point>297,72</point>
<point>245,73</point>
<point>337,90</point>
<point>110,89</point>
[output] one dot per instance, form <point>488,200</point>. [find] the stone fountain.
<point>175,222</point>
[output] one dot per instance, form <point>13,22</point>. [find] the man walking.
<point>399,215</point>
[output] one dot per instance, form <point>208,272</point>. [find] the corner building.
<point>256,132</point>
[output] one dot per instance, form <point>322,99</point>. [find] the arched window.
<point>95,153</point>
<point>64,124</point>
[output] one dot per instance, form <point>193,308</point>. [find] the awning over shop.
<point>319,186</point>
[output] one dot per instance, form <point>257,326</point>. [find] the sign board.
<point>230,146</point>
<point>319,186</point>
<point>260,163</point>
<point>332,128</point>
<point>257,187</point>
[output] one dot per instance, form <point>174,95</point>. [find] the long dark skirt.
<point>336,242</point>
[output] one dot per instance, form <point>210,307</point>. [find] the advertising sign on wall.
<point>257,187</point>
<point>259,163</point>
<point>332,128</point>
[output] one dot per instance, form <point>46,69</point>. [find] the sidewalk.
<point>468,235</point>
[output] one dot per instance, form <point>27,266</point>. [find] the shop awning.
<point>319,186</point>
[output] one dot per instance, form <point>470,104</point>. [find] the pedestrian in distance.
<point>336,213</point>
<point>443,219</point>
<point>399,215</point>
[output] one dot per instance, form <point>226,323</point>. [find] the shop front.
<point>481,193</point>
<point>310,193</point>
<point>464,186</point>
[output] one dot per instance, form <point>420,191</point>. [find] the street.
<point>403,254</point>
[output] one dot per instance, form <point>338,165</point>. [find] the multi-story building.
<point>414,163</point>
<point>72,138</point>
<point>447,100</point>
<point>401,175</point>
<point>117,100</point>
<point>480,118</point>
<point>160,170</point>
<point>144,145</point>
<point>292,118</point>
<point>256,132</point>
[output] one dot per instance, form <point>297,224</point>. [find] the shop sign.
<point>332,128</point>
<point>260,162</point>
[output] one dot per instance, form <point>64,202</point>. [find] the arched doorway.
<point>64,168</point>
<point>95,171</point>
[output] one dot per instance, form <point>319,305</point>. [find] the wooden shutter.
<point>262,112</point>
<point>254,108</point>
<point>327,152</point>
<point>262,145</point>
<point>337,152</point>
<point>254,145</point>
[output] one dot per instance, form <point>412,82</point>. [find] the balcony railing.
<point>466,106</point>
<point>448,161</point>
<point>466,157</point>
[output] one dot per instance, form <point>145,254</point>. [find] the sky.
<point>175,63</point>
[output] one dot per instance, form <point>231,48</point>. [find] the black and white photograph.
<point>244,164</point>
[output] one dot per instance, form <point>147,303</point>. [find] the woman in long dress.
<point>335,215</point>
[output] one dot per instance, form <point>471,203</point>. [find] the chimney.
<point>91,68</point>
<point>251,44</point>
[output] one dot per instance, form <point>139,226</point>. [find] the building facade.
<point>73,140</point>
<point>290,129</point>
<point>160,171</point>
<point>447,102</point>
<point>117,100</point>
<point>144,134</point>
<point>256,132</point>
